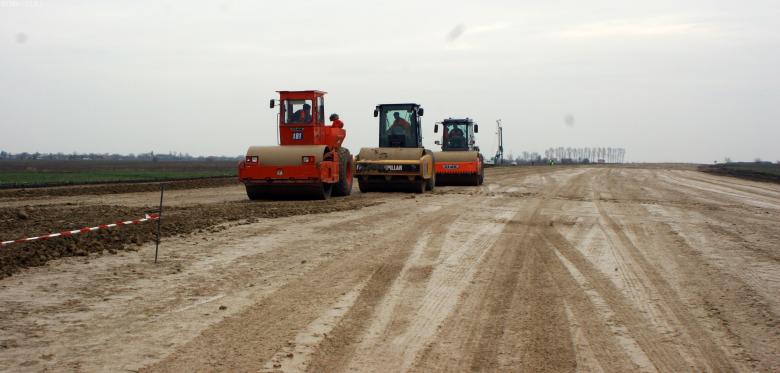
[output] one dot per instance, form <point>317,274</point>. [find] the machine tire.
<point>324,191</point>
<point>344,186</point>
<point>430,184</point>
<point>420,186</point>
<point>364,187</point>
<point>253,193</point>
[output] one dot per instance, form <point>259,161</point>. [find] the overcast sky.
<point>668,82</point>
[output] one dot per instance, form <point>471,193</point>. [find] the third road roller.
<point>459,162</point>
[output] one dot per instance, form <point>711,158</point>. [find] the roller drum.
<point>458,168</point>
<point>262,182</point>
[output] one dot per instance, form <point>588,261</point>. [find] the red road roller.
<point>308,163</point>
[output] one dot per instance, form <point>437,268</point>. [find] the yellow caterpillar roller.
<point>400,162</point>
<point>459,162</point>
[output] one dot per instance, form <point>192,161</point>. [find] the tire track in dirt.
<point>661,353</point>
<point>631,280</point>
<point>302,315</point>
<point>587,235</point>
<point>536,335</point>
<point>734,307</point>
<point>475,335</point>
<point>245,341</point>
<point>709,354</point>
<point>418,307</point>
<point>768,190</point>
<point>470,335</point>
<point>340,348</point>
<point>734,312</point>
<point>336,350</point>
<point>614,349</point>
<point>588,315</point>
<point>605,340</point>
<point>296,355</point>
<point>722,191</point>
<point>725,279</point>
<point>538,325</point>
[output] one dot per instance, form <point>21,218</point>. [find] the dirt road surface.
<point>591,269</point>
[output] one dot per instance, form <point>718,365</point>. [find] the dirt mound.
<point>124,187</point>
<point>768,173</point>
<point>31,221</point>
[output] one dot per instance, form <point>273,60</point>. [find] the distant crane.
<point>500,151</point>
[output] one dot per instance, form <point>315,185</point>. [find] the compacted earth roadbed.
<point>538,269</point>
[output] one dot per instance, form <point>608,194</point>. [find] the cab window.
<point>455,136</point>
<point>298,111</point>
<point>321,109</point>
<point>397,128</point>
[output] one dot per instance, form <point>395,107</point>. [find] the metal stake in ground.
<point>159,218</point>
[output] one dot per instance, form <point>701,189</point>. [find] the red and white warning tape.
<point>147,217</point>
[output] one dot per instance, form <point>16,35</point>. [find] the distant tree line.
<point>150,156</point>
<point>526,158</point>
<point>586,155</point>
<point>568,155</point>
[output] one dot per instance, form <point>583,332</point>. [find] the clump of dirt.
<point>33,221</point>
<point>124,187</point>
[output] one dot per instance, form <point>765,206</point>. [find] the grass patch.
<point>59,178</point>
<point>44,173</point>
